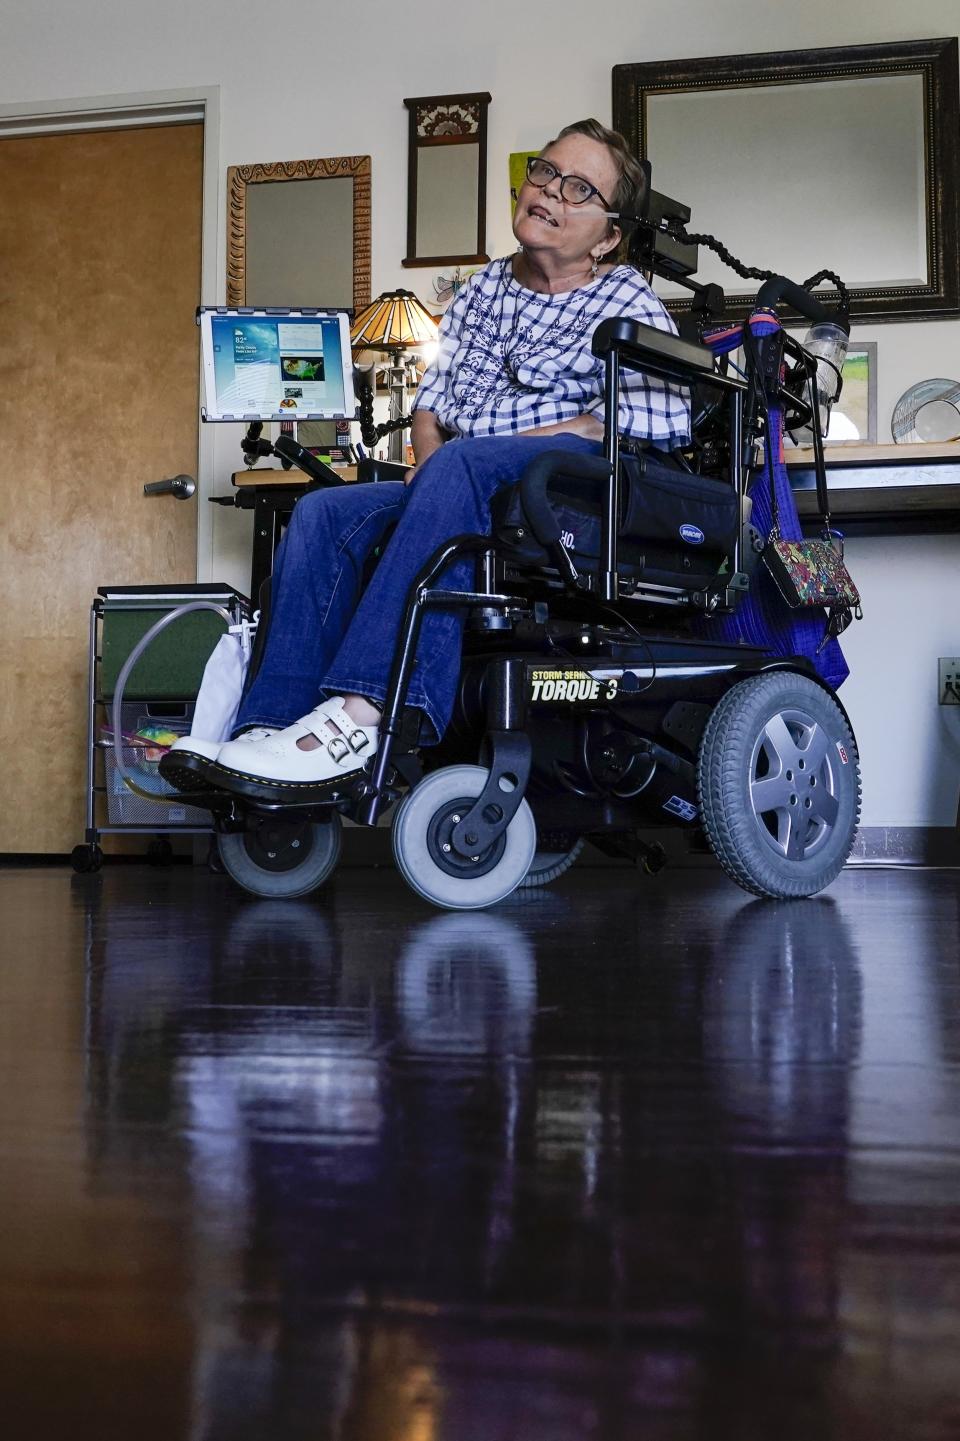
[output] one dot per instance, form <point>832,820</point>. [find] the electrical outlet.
<point>949,692</point>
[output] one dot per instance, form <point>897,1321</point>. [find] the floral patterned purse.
<point>811,572</point>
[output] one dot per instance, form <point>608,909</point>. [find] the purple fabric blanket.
<point>763,618</point>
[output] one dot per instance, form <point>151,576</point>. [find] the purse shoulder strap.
<point>819,463</point>
<point>755,371</point>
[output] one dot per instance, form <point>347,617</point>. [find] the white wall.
<point>320,77</point>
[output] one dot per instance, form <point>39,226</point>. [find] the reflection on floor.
<point>624,1159</point>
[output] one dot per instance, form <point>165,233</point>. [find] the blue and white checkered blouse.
<point>511,359</point>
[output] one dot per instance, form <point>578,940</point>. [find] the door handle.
<point>181,487</point>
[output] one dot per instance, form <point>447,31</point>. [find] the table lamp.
<point>395,323</point>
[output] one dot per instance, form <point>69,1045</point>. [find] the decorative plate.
<point>928,411</point>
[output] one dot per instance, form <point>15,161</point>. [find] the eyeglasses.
<point>573,189</point>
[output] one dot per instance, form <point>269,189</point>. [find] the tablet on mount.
<point>276,364</point>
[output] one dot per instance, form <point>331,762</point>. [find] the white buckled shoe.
<point>278,764</point>
<point>187,763</point>
<point>209,750</point>
<point>193,746</point>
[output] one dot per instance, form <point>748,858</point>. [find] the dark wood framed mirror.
<point>298,233</point>
<point>447,180</point>
<point>846,158</point>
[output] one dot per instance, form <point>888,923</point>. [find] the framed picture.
<point>518,173</point>
<point>853,420</point>
<point>722,125</point>
<point>447,179</point>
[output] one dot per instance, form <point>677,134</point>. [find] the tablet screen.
<point>276,365</point>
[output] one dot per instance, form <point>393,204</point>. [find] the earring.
<point>594,267</point>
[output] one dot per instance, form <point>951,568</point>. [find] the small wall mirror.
<point>846,158</point>
<point>298,233</point>
<point>447,180</point>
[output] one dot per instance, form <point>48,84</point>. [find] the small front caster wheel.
<point>86,859</point>
<point>277,857</point>
<point>422,826</point>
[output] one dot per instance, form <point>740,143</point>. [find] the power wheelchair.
<point>594,704</point>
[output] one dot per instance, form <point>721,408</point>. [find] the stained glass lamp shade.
<point>394,321</point>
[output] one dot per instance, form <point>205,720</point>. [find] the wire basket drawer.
<point>166,808</point>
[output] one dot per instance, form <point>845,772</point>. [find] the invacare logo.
<point>692,534</point>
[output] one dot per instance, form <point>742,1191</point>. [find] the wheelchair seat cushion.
<point>675,528</point>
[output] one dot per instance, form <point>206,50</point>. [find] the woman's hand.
<point>586,425</point>
<point>426,436</point>
<point>410,475</point>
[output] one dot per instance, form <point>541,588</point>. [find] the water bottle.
<point>827,342</point>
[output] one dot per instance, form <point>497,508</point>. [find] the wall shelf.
<point>883,489</point>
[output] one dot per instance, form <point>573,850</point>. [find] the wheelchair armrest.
<point>371,469</point>
<point>541,517</point>
<point>644,347</point>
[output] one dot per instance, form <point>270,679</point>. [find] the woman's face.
<point>546,223</point>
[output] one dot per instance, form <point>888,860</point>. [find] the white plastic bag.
<point>218,698</point>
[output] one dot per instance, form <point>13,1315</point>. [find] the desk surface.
<point>268,475</point>
<point>919,454</point>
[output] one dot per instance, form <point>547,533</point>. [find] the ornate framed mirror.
<point>298,233</point>
<point>447,180</point>
<point>846,158</point>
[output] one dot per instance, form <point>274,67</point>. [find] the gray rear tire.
<point>778,778</point>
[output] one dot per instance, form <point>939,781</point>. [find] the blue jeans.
<point>325,638</point>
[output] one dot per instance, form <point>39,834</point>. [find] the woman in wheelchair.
<point>514,377</point>
<point>631,665</point>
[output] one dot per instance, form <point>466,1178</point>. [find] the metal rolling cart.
<point>158,699</point>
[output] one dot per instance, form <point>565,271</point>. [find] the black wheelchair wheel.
<point>554,856</point>
<point>778,778</point>
<point>278,858</point>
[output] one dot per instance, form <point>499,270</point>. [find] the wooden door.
<point>99,282</point>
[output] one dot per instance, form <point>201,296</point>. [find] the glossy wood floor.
<point>630,1159</point>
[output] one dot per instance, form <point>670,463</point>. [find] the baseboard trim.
<point>907,846</point>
